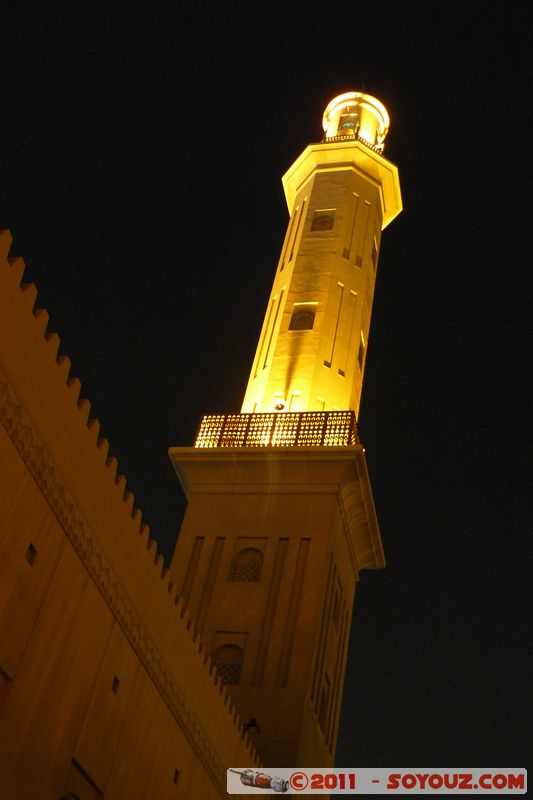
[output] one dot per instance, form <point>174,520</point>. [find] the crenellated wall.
<point>103,688</point>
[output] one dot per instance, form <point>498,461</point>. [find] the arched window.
<point>228,661</point>
<point>302,319</point>
<point>322,222</point>
<point>247,565</point>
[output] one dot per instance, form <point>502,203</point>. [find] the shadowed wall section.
<point>103,687</point>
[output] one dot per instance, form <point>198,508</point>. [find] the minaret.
<point>280,518</point>
<point>341,193</point>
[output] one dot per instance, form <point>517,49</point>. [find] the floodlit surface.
<point>341,193</point>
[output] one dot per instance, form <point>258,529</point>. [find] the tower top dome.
<point>354,114</point>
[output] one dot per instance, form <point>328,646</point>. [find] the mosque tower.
<point>280,517</point>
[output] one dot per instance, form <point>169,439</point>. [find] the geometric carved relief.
<point>25,567</point>
<point>246,566</point>
<point>227,654</point>
<point>228,662</point>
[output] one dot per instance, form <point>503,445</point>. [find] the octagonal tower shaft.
<point>311,352</point>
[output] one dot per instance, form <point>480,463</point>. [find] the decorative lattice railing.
<point>302,429</point>
<point>377,148</point>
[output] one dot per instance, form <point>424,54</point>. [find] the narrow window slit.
<point>31,554</point>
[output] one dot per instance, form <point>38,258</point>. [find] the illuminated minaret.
<point>280,518</point>
<point>341,193</point>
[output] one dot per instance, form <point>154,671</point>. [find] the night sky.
<point>141,155</point>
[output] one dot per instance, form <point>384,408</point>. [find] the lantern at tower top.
<point>356,115</point>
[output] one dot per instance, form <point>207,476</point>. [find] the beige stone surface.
<point>102,685</point>
<point>315,500</point>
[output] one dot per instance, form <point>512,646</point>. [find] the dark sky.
<point>141,152</point>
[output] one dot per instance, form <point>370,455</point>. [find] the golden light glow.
<point>341,193</point>
<point>304,429</point>
<point>355,113</point>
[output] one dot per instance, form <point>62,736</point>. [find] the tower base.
<point>267,561</point>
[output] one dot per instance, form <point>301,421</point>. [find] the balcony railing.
<point>377,148</point>
<point>302,429</point>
